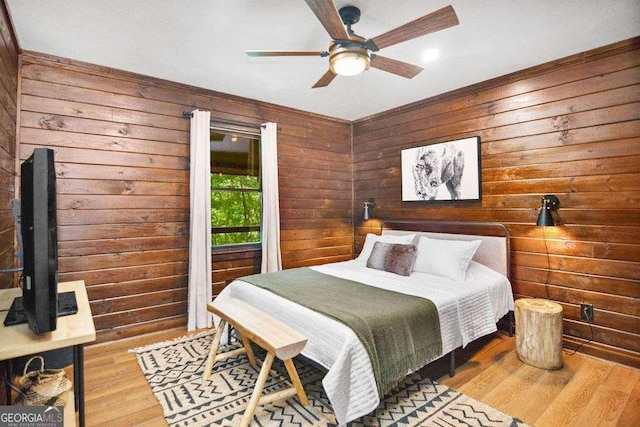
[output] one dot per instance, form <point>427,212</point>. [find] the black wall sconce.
<point>550,203</point>
<point>368,209</point>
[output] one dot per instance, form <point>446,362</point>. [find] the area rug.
<point>174,372</point>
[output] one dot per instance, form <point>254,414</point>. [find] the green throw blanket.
<point>401,333</point>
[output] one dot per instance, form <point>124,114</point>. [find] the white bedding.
<point>468,310</point>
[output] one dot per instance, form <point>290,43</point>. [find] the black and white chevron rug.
<point>174,371</point>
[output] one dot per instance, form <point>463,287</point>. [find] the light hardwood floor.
<point>585,392</point>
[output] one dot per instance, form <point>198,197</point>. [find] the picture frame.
<point>445,171</point>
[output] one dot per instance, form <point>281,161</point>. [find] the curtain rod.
<point>188,115</point>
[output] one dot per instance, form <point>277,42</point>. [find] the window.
<point>236,190</point>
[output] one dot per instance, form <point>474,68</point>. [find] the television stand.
<point>67,305</point>
<point>71,331</point>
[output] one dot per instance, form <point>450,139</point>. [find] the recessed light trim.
<point>430,55</point>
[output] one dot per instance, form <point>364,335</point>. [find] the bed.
<point>469,287</point>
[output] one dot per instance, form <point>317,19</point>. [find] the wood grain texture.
<point>432,22</point>
<point>488,370</point>
<point>122,149</point>
<point>9,104</point>
<point>569,128</point>
<point>539,332</point>
<point>269,333</point>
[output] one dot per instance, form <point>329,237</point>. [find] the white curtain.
<point>271,257</point>
<point>199,223</point>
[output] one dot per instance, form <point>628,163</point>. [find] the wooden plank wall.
<point>122,148</point>
<point>569,128</point>
<point>8,118</point>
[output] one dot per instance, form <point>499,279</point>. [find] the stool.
<point>278,339</point>
<point>539,332</point>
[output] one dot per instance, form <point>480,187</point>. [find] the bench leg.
<point>214,349</point>
<point>257,391</point>
<point>295,380</point>
<point>247,347</point>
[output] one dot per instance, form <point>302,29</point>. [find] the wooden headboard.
<point>494,251</point>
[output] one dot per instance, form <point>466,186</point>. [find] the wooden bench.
<point>278,339</point>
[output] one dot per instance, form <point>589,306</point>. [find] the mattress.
<point>468,310</point>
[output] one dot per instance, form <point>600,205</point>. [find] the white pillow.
<point>371,239</point>
<point>446,258</point>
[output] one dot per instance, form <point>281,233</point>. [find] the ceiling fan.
<point>351,54</point>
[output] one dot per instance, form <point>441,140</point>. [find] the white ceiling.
<point>202,43</point>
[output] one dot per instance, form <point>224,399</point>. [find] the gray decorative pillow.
<point>392,257</point>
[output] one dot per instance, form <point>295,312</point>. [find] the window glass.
<point>236,190</point>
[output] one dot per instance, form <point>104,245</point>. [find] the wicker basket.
<point>41,387</point>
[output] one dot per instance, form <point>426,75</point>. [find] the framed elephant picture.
<point>446,171</point>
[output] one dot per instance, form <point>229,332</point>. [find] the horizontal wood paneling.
<point>122,151</point>
<point>9,64</point>
<point>569,128</point>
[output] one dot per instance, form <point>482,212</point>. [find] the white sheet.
<point>467,310</point>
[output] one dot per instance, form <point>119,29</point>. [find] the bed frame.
<point>494,252</point>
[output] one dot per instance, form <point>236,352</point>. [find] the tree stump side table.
<point>539,332</point>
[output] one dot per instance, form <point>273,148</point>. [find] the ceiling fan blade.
<point>394,66</point>
<point>257,53</point>
<point>329,17</point>
<point>435,21</point>
<point>325,79</point>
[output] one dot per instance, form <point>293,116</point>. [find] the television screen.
<point>40,304</point>
<point>39,236</point>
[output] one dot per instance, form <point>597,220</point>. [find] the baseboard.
<point>602,351</point>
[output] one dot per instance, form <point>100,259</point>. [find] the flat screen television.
<point>39,240</point>
<point>40,304</point>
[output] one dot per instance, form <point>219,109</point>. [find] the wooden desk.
<point>71,331</point>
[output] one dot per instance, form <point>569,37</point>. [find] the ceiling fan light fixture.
<point>349,61</point>
<point>350,54</point>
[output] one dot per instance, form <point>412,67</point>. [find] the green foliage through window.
<point>235,205</point>
<point>236,193</point>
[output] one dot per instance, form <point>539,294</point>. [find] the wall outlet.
<point>586,312</point>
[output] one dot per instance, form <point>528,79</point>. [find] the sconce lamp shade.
<point>545,218</point>
<point>368,209</point>
<point>549,203</point>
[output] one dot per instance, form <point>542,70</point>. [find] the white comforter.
<point>468,310</point>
